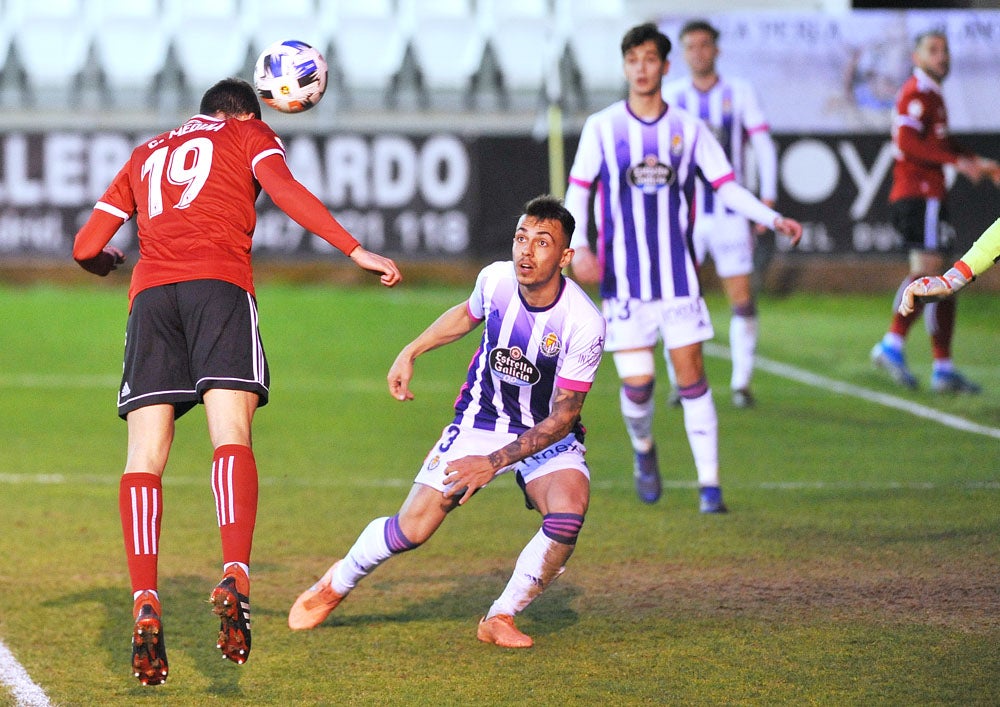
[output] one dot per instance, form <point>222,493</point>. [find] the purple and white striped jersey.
<point>733,113</point>
<point>526,352</point>
<point>645,174</point>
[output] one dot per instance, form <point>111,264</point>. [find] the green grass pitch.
<point>860,563</point>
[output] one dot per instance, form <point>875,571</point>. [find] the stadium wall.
<point>435,189</point>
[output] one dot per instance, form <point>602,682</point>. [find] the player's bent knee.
<point>562,527</point>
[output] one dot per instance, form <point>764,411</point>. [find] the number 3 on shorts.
<point>451,435</point>
<point>618,309</point>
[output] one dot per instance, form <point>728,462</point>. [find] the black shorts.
<point>189,337</point>
<point>923,223</point>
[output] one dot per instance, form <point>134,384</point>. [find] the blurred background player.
<point>519,410</point>
<point>983,254</point>
<point>644,158</point>
<point>192,335</point>
<point>730,108</point>
<point>920,214</point>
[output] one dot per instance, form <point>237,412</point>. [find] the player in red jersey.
<point>192,334</point>
<point>919,212</point>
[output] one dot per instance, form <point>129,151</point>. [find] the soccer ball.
<point>290,76</point>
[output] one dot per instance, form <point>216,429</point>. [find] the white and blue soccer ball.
<point>290,76</point>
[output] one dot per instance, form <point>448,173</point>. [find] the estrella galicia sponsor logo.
<point>650,174</point>
<point>511,366</point>
<point>550,344</point>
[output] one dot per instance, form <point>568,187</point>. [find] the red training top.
<point>920,135</point>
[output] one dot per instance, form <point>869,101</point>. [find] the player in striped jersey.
<point>519,411</point>
<point>642,158</point>
<point>730,108</point>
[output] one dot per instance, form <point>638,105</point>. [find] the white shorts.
<point>728,239</point>
<point>457,442</point>
<point>634,324</point>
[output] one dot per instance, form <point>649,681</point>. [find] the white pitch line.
<point>405,482</point>
<point>815,380</point>
<point>15,677</point>
<point>784,370</point>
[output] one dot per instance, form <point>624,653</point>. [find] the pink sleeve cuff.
<point>468,308</point>
<point>577,386</point>
<point>723,179</point>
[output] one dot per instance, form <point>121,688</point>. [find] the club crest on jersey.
<point>676,144</point>
<point>550,344</point>
<point>512,367</point>
<point>650,174</point>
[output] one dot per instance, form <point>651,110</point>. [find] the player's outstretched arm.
<point>743,202</point>
<point>90,247</point>
<point>469,474</point>
<point>305,208</point>
<point>452,325</point>
<point>979,258</point>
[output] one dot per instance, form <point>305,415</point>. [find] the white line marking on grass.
<point>799,375</point>
<point>783,370</point>
<point>404,483</point>
<point>14,676</point>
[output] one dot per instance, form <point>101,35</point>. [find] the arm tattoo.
<point>565,412</point>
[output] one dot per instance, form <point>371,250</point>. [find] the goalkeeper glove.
<point>931,289</point>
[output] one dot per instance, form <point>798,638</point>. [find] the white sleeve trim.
<point>113,210</point>
<point>262,155</point>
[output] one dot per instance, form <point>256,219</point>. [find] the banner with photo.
<point>837,73</point>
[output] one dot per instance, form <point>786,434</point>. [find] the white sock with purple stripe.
<point>377,543</point>
<point>702,425</point>
<point>541,561</point>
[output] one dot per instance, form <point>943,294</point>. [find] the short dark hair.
<point>548,208</point>
<point>927,34</point>
<point>644,33</point>
<point>699,26</point>
<point>231,97</point>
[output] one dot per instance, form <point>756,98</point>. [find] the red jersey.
<point>920,136</point>
<point>193,190</point>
